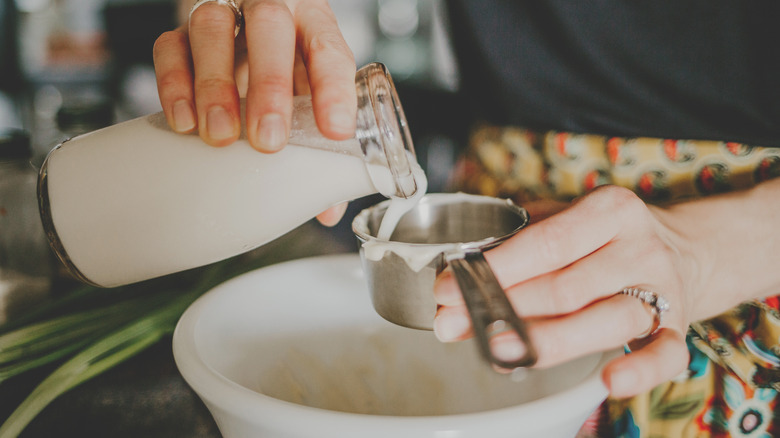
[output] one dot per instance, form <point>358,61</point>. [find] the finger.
<point>452,324</point>
<point>211,34</point>
<point>660,360</point>
<point>584,281</point>
<point>446,291</point>
<point>570,235</point>
<point>558,292</point>
<point>333,215</point>
<point>300,77</point>
<point>604,325</point>
<point>270,28</point>
<point>331,71</point>
<point>566,290</point>
<point>173,68</point>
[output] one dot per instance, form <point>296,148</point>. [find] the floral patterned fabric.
<point>730,386</point>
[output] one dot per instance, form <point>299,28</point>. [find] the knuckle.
<point>327,42</point>
<point>269,82</point>
<point>168,40</point>
<point>620,198</point>
<point>613,198</point>
<point>268,12</point>
<point>215,83</point>
<point>173,79</point>
<point>211,18</point>
<point>315,10</point>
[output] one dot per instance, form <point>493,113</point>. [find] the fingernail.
<point>341,120</point>
<point>183,116</point>
<point>508,349</point>
<point>219,123</point>
<point>450,326</point>
<point>271,132</point>
<point>622,381</point>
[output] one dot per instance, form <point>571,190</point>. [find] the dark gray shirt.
<point>686,69</point>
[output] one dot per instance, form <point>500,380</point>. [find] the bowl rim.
<point>216,390</point>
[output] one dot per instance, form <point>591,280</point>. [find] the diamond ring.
<point>658,306</point>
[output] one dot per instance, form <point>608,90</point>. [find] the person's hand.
<point>563,273</point>
<point>284,48</point>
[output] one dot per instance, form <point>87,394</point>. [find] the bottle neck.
<point>383,133</point>
<point>381,139</point>
<point>304,131</point>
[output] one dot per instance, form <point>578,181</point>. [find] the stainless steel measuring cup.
<point>444,229</point>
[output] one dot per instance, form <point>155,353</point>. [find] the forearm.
<point>727,247</point>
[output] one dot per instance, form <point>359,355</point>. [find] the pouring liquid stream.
<point>399,206</point>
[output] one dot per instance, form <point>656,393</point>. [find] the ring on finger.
<point>657,304</point>
<point>229,3</point>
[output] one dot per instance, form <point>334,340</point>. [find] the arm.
<point>562,273</point>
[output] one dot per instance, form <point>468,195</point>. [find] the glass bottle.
<point>136,200</point>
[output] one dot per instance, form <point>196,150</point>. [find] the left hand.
<point>562,274</point>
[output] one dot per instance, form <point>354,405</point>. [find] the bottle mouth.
<point>384,134</point>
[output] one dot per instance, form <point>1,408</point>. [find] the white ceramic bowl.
<point>296,350</point>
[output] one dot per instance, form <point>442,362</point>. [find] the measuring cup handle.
<point>490,310</point>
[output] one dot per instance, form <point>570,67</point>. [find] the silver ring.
<point>658,306</point>
<point>229,3</point>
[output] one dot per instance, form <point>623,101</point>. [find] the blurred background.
<point>72,66</point>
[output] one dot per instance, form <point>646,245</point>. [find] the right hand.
<point>284,48</point>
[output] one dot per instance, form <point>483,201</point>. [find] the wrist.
<point>726,247</point>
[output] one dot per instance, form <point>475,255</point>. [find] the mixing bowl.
<point>296,350</point>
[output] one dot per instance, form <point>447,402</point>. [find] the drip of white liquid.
<point>417,256</point>
<point>399,206</point>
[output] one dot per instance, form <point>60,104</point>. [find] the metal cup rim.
<point>360,222</point>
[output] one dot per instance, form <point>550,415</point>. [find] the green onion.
<point>100,338</point>
<point>91,330</point>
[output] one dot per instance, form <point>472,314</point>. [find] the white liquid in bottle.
<point>144,201</point>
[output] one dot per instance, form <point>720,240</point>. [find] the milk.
<point>137,201</point>
<point>400,206</point>
<point>416,255</point>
